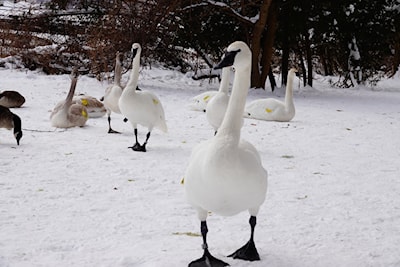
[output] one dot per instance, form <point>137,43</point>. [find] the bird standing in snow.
<point>10,121</point>
<point>141,107</point>
<point>225,174</point>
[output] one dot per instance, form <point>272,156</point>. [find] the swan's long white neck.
<point>289,90</point>
<point>134,76</point>
<point>233,120</point>
<point>224,86</point>
<point>117,72</point>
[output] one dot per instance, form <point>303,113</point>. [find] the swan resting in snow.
<point>11,99</point>
<point>95,109</point>
<point>141,107</point>
<point>225,174</point>
<point>216,106</point>
<point>271,109</point>
<point>10,121</point>
<point>113,92</point>
<point>199,102</point>
<point>67,114</point>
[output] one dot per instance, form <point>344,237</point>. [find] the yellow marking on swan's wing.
<point>84,102</point>
<point>155,101</point>
<point>183,180</point>
<point>84,113</point>
<point>206,98</point>
<point>268,110</point>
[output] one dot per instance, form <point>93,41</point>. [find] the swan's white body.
<point>271,109</point>
<point>199,102</point>
<point>216,106</point>
<point>141,107</point>
<point>66,114</point>
<point>113,92</point>
<point>225,174</point>
<point>94,107</point>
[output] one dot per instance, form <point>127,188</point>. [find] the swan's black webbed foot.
<point>208,260</point>
<point>248,252</point>
<point>138,147</point>
<point>113,131</point>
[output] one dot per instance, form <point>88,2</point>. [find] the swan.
<point>199,102</point>
<point>216,106</point>
<point>66,114</point>
<point>10,121</point>
<point>225,174</point>
<point>271,109</point>
<point>95,109</point>
<point>141,107</point>
<point>113,92</point>
<point>11,99</point>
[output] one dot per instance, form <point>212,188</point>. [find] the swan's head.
<point>74,73</point>
<point>238,55</point>
<point>136,49</point>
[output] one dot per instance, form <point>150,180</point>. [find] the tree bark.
<point>268,42</point>
<point>309,58</point>
<point>257,34</point>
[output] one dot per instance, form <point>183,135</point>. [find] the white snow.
<point>80,197</point>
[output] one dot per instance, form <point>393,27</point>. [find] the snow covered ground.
<point>80,197</point>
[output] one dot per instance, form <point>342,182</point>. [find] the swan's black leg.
<point>249,251</point>
<point>207,260</point>
<point>137,146</point>
<point>145,142</point>
<point>110,130</point>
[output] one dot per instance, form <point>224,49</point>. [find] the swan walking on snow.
<point>113,92</point>
<point>67,114</point>
<point>225,174</point>
<point>271,109</point>
<point>216,107</point>
<point>141,107</point>
<point>10,121</point>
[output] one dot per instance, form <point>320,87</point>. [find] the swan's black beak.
<point>134,52</point>
<point>228,60</point>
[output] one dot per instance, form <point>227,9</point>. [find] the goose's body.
<point>200,101</point>
<point>216,106</point>
<point>141,107</point>
<point>271,109</point>
<point>67,114</point>
<point>94,108</point>
<point>11,99</point>
<point>113,92</point>
<point>10,121</point>
<point>225,174</point>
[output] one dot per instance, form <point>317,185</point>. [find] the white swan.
<point>199,102</point>
<point>216,106</point>
<point>271,109</point>
<point>141,107</point>
<point>10,121</point>
<point>66,114</point>
<point>11,99</point>
<point>113,92</point>
<point>95,109</point>
<point>225,174</point>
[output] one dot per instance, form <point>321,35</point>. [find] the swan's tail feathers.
<point>163,126</point>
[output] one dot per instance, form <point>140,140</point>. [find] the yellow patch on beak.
<point>84,113</point>
<point>268,110</point>
<point>155,101</point>
<point>84,102</point>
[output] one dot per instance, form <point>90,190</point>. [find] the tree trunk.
<point>271,79</point>
<point>396,56</point>
<point>268,42</point>
<point>309,59</point>
<point>303,67</point>
<point>256,43</point>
